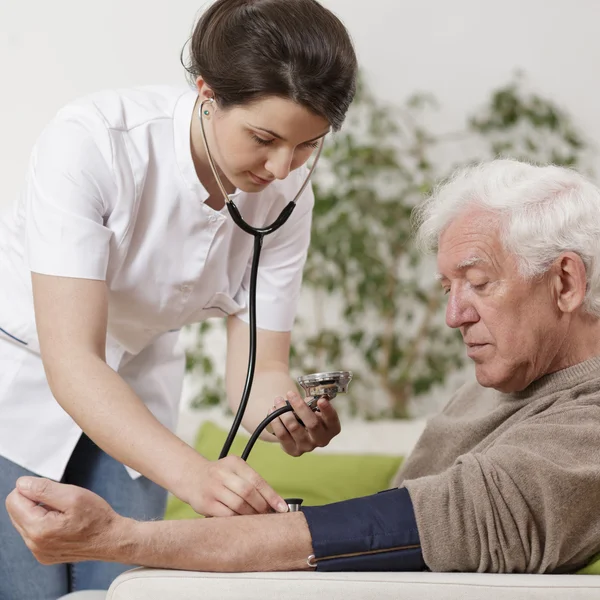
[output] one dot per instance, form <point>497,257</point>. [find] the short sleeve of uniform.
<point>68,184</point>
<point>280,269</point>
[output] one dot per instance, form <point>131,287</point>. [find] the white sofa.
<point>377,437</point>
<point>156,584</point>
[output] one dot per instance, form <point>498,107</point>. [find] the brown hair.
<point>296,49</point>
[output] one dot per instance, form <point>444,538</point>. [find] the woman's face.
<point>255,144</point>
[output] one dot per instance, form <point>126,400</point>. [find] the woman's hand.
<point>229,487</point>
<point>318,430</point>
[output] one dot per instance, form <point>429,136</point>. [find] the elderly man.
<point>505,479</point>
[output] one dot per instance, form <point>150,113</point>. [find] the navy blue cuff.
<point>374,533</point>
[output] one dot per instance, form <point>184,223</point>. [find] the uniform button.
<point>212,218</point>
<point>184,288</point>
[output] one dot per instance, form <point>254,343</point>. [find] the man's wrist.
<point>125,543</point>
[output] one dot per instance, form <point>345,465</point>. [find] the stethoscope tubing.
<point>271,417</point>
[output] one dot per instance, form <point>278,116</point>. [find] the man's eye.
<point>479,286</point>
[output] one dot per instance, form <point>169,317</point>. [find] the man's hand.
<point>229,487</point>
<point>64,523</point>
<point>319,427</point>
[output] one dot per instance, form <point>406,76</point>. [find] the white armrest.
<point>157,584</point>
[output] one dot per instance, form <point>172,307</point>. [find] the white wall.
<point>52,51</point>
<point>463,48</point>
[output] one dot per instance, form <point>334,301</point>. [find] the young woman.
<point>122,238</point>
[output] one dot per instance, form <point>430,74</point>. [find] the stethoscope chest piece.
<point>294,504</point>
<point>329,384</point>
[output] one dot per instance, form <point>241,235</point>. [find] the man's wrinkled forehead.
<point>472,239</point>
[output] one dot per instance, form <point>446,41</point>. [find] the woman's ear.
<point>204,90</point>
<point>571,282</point>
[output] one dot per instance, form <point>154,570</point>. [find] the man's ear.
<point>204,90</point>
<point>571,282</point>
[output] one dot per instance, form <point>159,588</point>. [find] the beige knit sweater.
<point>508,483</point>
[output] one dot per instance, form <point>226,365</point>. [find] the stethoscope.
<point>318,384</point>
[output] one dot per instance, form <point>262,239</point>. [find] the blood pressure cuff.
<point>374,533</point>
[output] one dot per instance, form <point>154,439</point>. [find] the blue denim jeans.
<point>22,577</point>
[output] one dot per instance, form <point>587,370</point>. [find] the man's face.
<point>512,327</point>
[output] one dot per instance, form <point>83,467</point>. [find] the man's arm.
<point>63,523</point>
<point>74,524</point>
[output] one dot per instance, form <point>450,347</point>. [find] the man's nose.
<point>459,311</point>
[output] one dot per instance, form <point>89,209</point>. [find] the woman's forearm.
<point>115,418</point>
<point>271,376</point>
<point>268,384</point>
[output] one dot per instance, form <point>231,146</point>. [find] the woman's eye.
<point>314,144</point>
<point>264,142</point>
<point>261,141</point>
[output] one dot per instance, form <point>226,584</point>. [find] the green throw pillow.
<point>319,478</point>
<point>593,568</point>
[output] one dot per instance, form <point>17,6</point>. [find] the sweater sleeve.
<point>526,504</point>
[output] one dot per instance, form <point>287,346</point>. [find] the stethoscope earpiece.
<point>205,111</point>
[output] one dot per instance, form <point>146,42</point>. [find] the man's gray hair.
<point>543,211</point>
